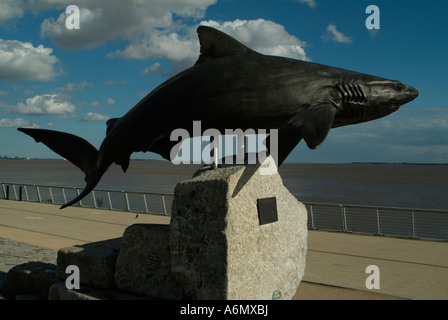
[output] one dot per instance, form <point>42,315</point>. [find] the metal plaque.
<point>267,210</point>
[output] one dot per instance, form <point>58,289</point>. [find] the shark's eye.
<point>398,86</point>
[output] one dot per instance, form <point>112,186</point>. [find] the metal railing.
<point>384,221</point>
<point>139,202</point>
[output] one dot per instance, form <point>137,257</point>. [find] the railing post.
<point>413,225</point>
<point>77,192</point>
<point>51,194</point>
<point>26,193</point>
<point>127,201</point>
<point>378,221</point>
<point>344,219</point>
<point>94,200</point>
<point>63,194</point>
<point>146,205</point>
<point>164,204</point>
<point>110,200</point>
<point>38,194</point>
<point>312,217</point>
<point>15,192</point>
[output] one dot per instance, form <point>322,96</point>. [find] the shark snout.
<point>404,94</point>
<point>410,93</point>
<point>413,93</point>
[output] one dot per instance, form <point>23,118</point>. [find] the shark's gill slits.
<point>351,93</point>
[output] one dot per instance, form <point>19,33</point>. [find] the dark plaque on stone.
<point>267,210</point>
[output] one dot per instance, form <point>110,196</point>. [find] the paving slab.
<point>409,269</point>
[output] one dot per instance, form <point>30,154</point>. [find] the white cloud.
<point>114,82</point>
<point>155,29</point>
<point>311,3</point>
<point>10,9</point>
<point>108,102</point>
<point>154,69</point>
<point>22,61</point>
<point>171,45</point>
<point>104,20</point>
<point>94,117</point>
<point>410,133</point>
<point>144,93</point>
<point>264,36</point>
<point>71,87</point>
<point>334,35</point>
<point>42,105</point>
<point>18,122</point>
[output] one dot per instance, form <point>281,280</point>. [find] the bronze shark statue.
<point>234,87</point>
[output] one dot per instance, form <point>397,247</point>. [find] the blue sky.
<point>74,80</point>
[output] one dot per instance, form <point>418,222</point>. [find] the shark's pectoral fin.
<point>123,161</point>
<point>160,145</point>
<point>164,146</point>
<point>286,142</point>
<point>314,122</point>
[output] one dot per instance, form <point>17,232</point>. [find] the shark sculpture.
<point>234,87</point>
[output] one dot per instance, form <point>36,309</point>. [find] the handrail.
<point>414,223</point>
<point>347,205</point>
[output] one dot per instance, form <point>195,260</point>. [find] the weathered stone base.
<point>221,249</point>
<point>30,281</point>
<point>144,263</point>
<point>235,234</point>
<point>59,291</point>
<point>96,262</point>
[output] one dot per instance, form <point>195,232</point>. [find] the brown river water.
<point>387,185</point>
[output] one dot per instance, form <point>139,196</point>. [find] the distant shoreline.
<point>286,163</point>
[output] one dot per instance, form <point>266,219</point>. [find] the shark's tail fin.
<point>73,148</point>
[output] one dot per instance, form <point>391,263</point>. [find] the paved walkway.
<point>336,262</point>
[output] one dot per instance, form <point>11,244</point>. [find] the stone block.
<point>144,263</point>
<point>59,291</point>
<point>32,279</point>
<point>95,260</point>
<point>219,248</point>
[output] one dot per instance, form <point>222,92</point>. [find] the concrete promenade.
<point>336,262</point>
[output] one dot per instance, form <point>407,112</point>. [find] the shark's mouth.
<point>361,114</point>
<point>391,109</point>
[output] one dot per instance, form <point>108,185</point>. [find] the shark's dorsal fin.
<point>216,44</point>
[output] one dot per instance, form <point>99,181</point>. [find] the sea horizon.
<point>359,183</point>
